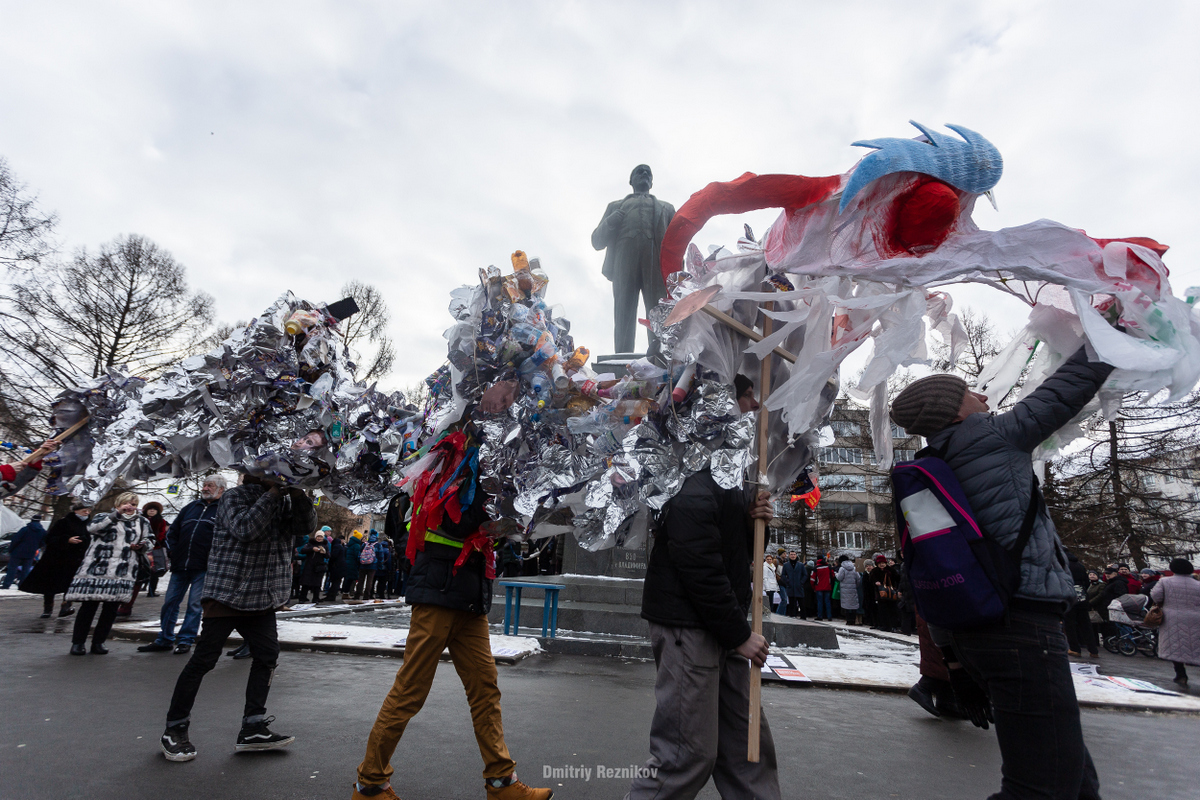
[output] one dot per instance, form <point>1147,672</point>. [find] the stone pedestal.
<point>616,562</point>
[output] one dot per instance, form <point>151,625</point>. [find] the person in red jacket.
<point>15,477</point>
<point>821,580</point>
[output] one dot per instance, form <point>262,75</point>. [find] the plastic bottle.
<point>577,359</point>
<point>300,321</point>
<point>559,376</point>
<point>540,384</point>
<point>544,353</point>
<point>525,333</point>
<point>684,384</point>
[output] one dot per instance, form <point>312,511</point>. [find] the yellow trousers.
<point>434,628</point>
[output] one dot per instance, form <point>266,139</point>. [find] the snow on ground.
<point>13,594</point>
<point>888,661</point>
<point>369,638</point>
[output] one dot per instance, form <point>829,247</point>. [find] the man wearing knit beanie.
<point>1014,672</point>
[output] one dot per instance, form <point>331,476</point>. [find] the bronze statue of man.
<point>632,229</point>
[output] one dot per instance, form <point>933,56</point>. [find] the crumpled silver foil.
<point>248,405</point>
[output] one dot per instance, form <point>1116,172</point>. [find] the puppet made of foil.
<point>277,399</point>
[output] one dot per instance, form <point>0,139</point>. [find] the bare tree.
<point>1133,491</point>
<point>25,230</point>
<point>365,333</point>
<point>128,305</point>
<point>983,344</point>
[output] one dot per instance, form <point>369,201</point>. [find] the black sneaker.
<point>181,648</point>
<point>258,736</point>
<point>154,647</point>
<point>175,744</point>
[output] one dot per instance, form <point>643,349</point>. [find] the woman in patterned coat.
<point>108,573</point>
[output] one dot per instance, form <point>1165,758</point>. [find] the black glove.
<point>970,695</point>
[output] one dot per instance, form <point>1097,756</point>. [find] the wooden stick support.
<point>68,433</point>
<point>750,333</point>
<point>760,542</point>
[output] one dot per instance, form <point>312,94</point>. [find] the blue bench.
<point>512,611</point>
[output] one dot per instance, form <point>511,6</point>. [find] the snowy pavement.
<point>333,636</point>
<point>866,659</point>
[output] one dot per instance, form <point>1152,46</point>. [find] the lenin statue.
<point>632,230</point>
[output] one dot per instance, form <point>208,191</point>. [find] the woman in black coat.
<point>66,544</point>
<point>316,562</point>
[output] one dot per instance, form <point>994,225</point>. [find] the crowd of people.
<point>871,595</point>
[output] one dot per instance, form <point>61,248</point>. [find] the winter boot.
<point>512,789</point>
<point>377,793</point>
<point>922,694</point>
<point>258,736</point>
<point>175,743</point>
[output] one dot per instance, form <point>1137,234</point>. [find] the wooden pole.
<point>749,333</point>
<point>41,451</point>
<point>760,536</point>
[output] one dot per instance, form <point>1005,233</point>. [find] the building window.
<point>854,512</point>
<point>904,454</point>
<point>840,455</point>
<point>1149,481</point>
<point>898,432</point>
<point>844,483</point>
<point>1168,478</point>
<point>843,427</point>
<point>851,540</point>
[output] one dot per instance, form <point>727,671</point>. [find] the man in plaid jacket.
<point>249,577</point>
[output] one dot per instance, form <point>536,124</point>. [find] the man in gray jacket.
<point>1021,662</point>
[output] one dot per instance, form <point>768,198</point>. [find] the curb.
<point>127,634</point>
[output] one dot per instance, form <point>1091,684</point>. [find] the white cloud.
<point>294,145</point>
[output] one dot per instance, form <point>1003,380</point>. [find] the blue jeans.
<point>825,605</point>
<point>783,602</point>
<point>18,568</point>
<point>1023,665</point>
<point>190,582</point>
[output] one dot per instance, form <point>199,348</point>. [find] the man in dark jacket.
<point>450,591</point>
<point>188,541</point>
<point>795,583</point>
<point>249,577</point>
<point>696,597</point>
<point>1020,662</point>
<point>23,549</point>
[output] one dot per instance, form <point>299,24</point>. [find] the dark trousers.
<point>1078,627</point>
<point>83,621</point>
<point>1023,664</point>
<point>259,632</point>
<point>48,603</point>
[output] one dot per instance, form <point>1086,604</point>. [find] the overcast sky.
<point>274,146</point>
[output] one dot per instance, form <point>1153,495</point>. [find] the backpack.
<point>368,553</point>
<point>961,578</point>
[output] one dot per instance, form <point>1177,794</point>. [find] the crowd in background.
<point>822,588</point>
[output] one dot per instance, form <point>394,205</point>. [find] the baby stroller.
<point>1126,613</point>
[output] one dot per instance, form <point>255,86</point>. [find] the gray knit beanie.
<point>929,405</point>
